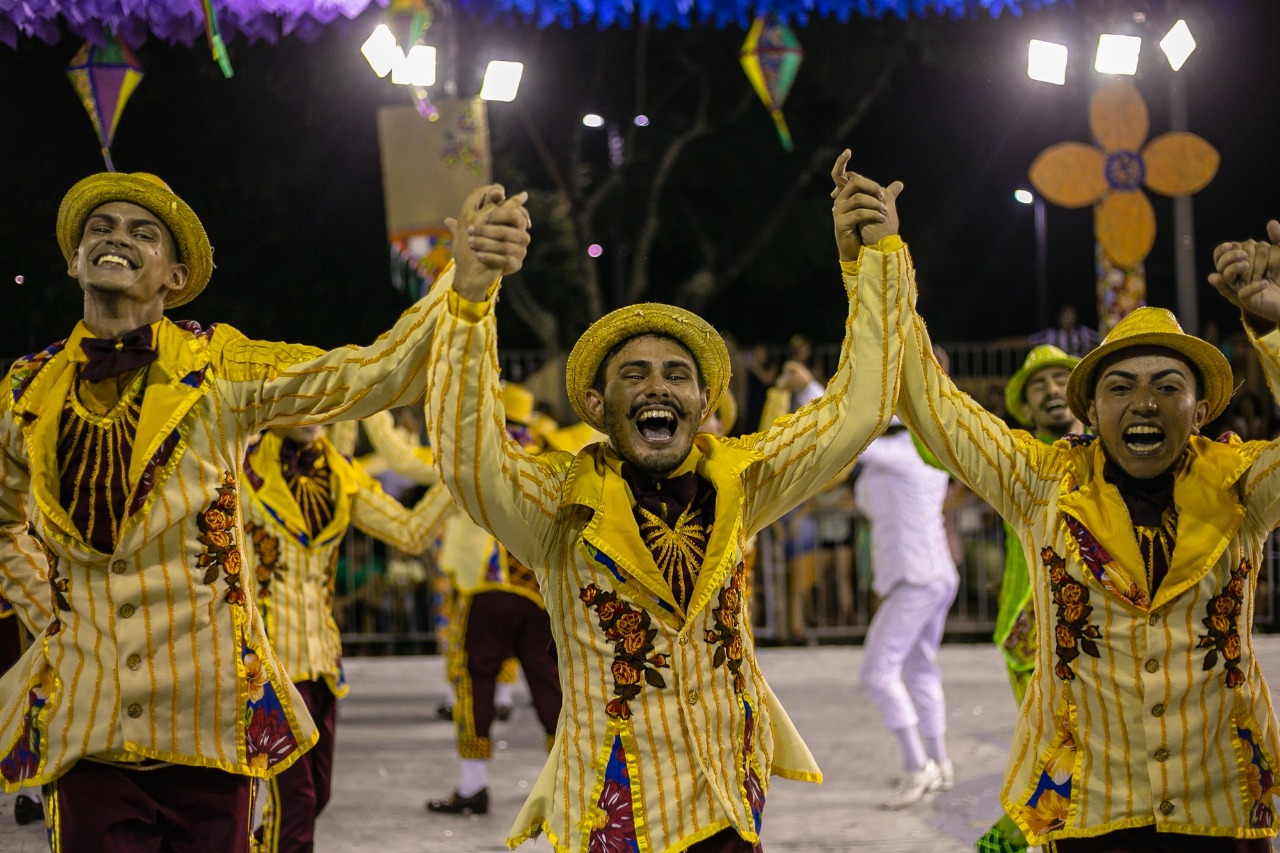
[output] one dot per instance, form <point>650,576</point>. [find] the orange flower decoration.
<point>1111,176</point>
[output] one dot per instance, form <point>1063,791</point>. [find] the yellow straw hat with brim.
<point>1153,327</point>
<point>517,403</point>
<point>648,318</point>
<point>147,191</point>
<point>1037,360</point>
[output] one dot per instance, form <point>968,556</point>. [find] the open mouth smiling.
<point>657,425</point>
<point>110,259</point>
<point>1143,440</point>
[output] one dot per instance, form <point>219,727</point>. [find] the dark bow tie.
<point>666,498</point>
<point>296,460</point>
<point>109,358</point>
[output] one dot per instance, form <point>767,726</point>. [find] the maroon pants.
<point>725,841</point>
<point>299,794</point>
<point>1145,839</point>
<point>502,625</point>
<point>163,809</point>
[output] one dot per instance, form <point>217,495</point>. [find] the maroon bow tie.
<point>297,460</point>
<point>666,498</point>
<point>109,358</point>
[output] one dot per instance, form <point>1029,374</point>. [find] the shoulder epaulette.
<point>24,370</point>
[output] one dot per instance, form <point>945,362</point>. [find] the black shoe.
<point>27,810</point>
<point>477,803</point>
<point>503,712</point>
<point>444,711</point>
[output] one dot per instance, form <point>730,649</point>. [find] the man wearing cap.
<point>498,614</point>
<point>1036,396</point>
<point>669,733</point>
<point>300,496</point>
<point>153,695</point>
<point>1147,725</point>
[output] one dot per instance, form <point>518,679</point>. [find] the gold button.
<point>684,639</point>
<point>1166,808</point>
<point>1153,619</point>
<point>1157,711</point>
<point>1162,754</point>
<point>126,610</point>
<point>134,661</point>
<point>135,710</point>
<point>693,697</point>
<point>1153,665</point>
<point>119,566</point>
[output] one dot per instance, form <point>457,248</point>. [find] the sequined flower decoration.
<point>1111,175</point>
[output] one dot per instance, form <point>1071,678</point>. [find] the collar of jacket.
<point>1205,495</point>
<point>175,380</point>
<point>594,483</point>
<point>279,503</point>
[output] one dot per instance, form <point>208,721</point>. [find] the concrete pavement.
<point>393,755</point>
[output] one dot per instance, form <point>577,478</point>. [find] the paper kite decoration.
<point>771,56</point>
<point>1111,177</point>
<point>104,76</point>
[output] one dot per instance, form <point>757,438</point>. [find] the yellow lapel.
<point>174,383</point>
<point>39,411</point>
<point>276,498</point>
<point>342,488</point>
<point>722,464</point>
<point>1209,509</point>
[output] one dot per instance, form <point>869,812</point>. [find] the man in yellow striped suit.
<point>152,695</point>
<point>668,733</point>
<point>1147,725</point>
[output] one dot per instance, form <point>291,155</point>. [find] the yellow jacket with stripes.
<point>1142,710</point>
<point>668,732</point>
<point>157,649</point>
<point>294,571</point>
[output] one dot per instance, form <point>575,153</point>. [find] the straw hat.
<point>1153,327</point>
<point>147,191</point>
<point>517,403</point>
<point>647,318</point>
<point>1037,360</point>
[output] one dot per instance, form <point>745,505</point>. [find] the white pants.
<point>899,668</point>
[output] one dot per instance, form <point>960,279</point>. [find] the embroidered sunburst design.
<point>677,552</point>
<point>312,492</point>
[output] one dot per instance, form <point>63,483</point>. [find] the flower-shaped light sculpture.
<point>1111,175</point>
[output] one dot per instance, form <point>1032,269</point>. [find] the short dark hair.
<point>599,382</point>
<point>1120,353</point>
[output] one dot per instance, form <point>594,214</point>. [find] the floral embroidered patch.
<point>1073,634</point>
<point>23,761</point>
<point>217,535</point>
<point>728,630</point>
<point>1021,643</point>
<point>1224,628</point>
<point>1260,780</point>
<point>268,739</point>
<point>1047,808</point>
<point>267,549</point>
<point>613,825</point>
<point>633,658</point>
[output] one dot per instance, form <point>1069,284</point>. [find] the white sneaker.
<point>947,776</point>
<point>913,786</point>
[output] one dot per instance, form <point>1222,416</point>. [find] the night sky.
<point>281,163</point>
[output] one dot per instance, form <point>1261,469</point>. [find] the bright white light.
<point>593,120</point>
<point>501,80</point>
<point>595,250</point>
<point>641,121</point>
<point>1024,196</point>
<point>419,66</point>
<point>1178,44</point>
<point>381,50</point>
<point>1047,62</point>
<point>1117,54</point>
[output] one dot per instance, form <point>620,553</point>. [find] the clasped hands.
<point>490,240</point>
<point>864,211</point>
<point>1248,276</point>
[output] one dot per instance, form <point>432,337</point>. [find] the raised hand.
<point>864,211</point>
<point>1248,276</point>
<point>490,239</point>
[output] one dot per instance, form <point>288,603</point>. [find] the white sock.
<point>502,693</point>
<point>475,775</point>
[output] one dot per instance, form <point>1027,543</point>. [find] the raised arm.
<point>402,454</point>
<point>1247,275</point>
<point>510,493</point>
<point>804,451</point>
<point>24,568</point>
<point>383,517</point>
